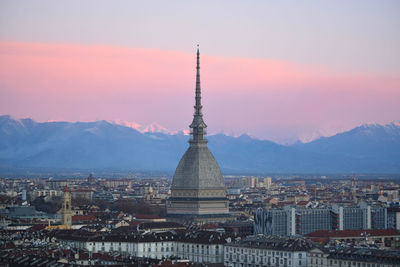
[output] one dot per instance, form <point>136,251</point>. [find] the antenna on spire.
<point>198,126</point>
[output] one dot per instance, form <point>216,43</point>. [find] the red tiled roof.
<point>353,233</point>
<point>83,218</point>
<point>209,226</point>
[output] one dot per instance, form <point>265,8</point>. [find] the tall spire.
<point>198,126</point>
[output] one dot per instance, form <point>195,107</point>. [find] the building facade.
<point>394,218</point>
<point>198,247</point>
<point>262,251</point>
<point>301,221</point>
<point>384,238</point>
<point>349,257</point>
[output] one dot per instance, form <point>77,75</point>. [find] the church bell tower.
<point>66,209</point>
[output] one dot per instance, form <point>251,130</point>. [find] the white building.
<point>199,247</point>
<point>45,193</point>
<point>267,251</point>
<point>317,257</point>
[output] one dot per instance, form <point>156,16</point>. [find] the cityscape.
<point>90,191</point>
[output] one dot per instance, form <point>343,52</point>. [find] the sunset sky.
<point>277,70</point>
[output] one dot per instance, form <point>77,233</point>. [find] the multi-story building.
<point>266,251</point>
<point>45,193</point>
<point>301,221</point>
<point>103,196</point>
<point>199,247</point>
<point>317,257</point>
<point>352,218</point>
<point>350,256</point>
<point>361,217</point>
<point>272,222</point>
<point>267,182</point>
<point>57,184</point>
<point>310,220</point>
<point>393,215</point>
<point>115,183</point>
<point>82,193</point>
<point>385,238</point>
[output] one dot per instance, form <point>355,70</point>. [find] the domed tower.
<point>198,190</point>
<point>66,209</point>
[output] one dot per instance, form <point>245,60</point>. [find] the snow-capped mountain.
<point>25,143</point>
<point>152,128</point>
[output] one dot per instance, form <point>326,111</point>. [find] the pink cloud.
<point>76,82</point>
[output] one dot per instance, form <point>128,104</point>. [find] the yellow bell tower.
<point>66,209</point>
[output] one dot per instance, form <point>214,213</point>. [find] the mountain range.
<point>24,143</point>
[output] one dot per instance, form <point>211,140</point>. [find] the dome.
<point>198,170</point>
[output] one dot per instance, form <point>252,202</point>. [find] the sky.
<point>277,70</point>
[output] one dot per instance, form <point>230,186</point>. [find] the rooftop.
<point>353,233</point>
<point>366,255</point>
<point>274,243</point>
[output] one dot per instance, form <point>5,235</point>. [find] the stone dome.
<point>198,170</point>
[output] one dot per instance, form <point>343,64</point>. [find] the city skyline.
<point>295,76</point>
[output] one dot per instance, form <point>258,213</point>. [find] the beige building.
<point>267,182</point>
<point>66,209</point>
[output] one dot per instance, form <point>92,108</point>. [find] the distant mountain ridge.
<point>102,145</point>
